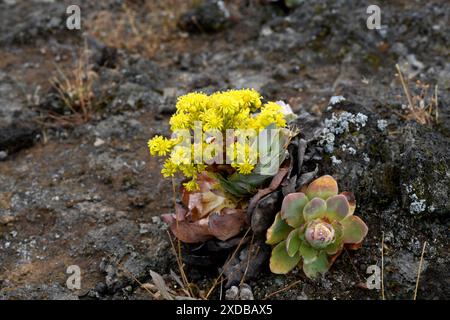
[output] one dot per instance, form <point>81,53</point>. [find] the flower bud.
<point>319,234</point>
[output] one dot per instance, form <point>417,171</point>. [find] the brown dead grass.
<point>422,102</point>
<point>142,27</point>
<point>74,89</point>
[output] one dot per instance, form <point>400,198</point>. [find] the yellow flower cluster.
<point>232,109</point>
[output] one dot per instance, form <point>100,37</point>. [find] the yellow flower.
<point>169,169</point>
<point>271,113</point>
<point>245,167</point>
<point>231,109</point>
<point>180,121</point>
<point>192,102</point>
<point>250,98</point>
<point>191,185</point>
<point>160,146</point>
<point>180,155</point>
<point>225,102</point>
<point>189,170</point>
<point>212,121</point>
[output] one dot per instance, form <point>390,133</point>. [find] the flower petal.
<point>337,207</point>
<point>278,231</point>
<point>355,230</point>
<point>323,187</point>
<point>280,261</point>
<point>292,209</point>
<point>316,208</point>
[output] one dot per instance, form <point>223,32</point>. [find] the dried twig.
<point>177,251</point>
<point>382,266</point>
<point>281,290</point>
<point>405,88</point>
<point>129,274</point>
<point>249,256</point>
<point>421,105</point>
<point>420,270</point>
<point>436,102</point>
<point>216,281</point>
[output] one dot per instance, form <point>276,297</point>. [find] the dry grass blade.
<point>178,252</point>
<point>141,26</point>
<point>436,102</point>
<point>176,278</point>
<point>282,289</point>
<point>75,91</point>
<point>382,266</point>
<point>420,105</point>
<point>161,285</point>
<point>405,88</point>
<point>248,258</point>
<point>420,270</point>
<point>125,270</point>
<point>186,283</point>
<point>216,281</point>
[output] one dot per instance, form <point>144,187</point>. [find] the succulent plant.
<point>273,146</point>
<point>206,213</point>
<point>313,227</point>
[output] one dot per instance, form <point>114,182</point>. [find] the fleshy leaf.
<point>319,265</point>
<point>207,199</point>
<point>351,201</point>
<point>292,209</point>
<point>323,187</point>
<point>316,208</point>
<point>334,248</point>
<point>280,261</point>
<point>188,232</point>
<point>337,207</point>
<point>278,231</point>
<point>293,243</point>
<point>307,252</point>
<point>226,224</point>
<point>354,229</point>
<point>337,245</point>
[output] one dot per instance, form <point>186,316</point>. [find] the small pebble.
<point>232,293</point>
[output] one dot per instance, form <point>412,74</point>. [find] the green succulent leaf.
<point>278,231</point>
<point>316,208</point>
<point>354,229</point>
<point>337,207</point>
<point>337,244</point>
<point>293,243</point>
<point>351,201</point>
<point>323,187</point>
<point>307,252</point>
<point>318,266</point>
<point>280,261</point>
<point>292,209</point>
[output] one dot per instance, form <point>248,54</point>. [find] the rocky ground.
<point>87,193</point>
